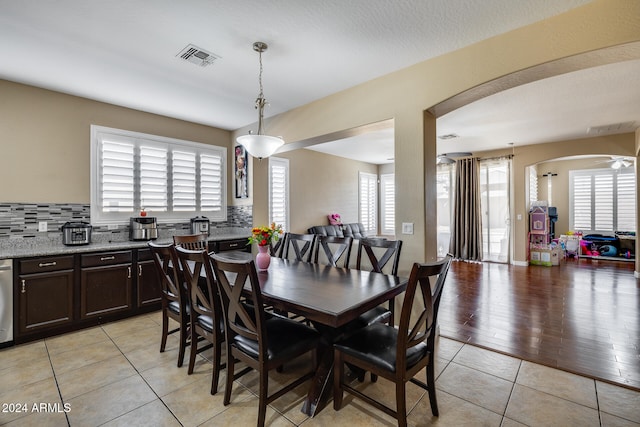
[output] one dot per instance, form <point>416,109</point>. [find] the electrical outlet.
<point>407,228</point>
<point>42,226</point>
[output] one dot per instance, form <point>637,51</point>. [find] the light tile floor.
<point>114,375</point>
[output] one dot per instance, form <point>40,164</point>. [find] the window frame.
<point>101,217</point>
<point>594,207</point>
<point>279,161</point>
<point>372,205</point>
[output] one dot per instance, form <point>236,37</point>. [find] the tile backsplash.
<point>21,220</point>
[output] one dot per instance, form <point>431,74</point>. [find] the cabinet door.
<point>149,287</point>
<point>105,290</point>
<point>45,300</point>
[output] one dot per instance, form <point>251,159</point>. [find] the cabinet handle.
<point>128,272</point>
<point>233,245</point>
<point>47,264</point>
<point>140,270</point>
<point>23,290</point>
<point>107,258</point>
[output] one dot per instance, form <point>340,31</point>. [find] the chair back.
<point>275,248</point>
<point>242,317</point>
<point>169,272</point>
<point>334,248</point>
<point>193,242</point>
<point>302,245</point>
<point>201,288</point>
<point>423,328</point>
<point>379,252</point>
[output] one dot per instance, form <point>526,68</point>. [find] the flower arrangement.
<point>334,219</point>
<point>264,235</point>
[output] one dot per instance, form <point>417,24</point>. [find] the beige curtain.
<point>466,229</point>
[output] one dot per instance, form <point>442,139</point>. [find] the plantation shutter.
<point>117,176</point>
<point>388,204</point>
<point>368,202</point>
<point>279,191</point>
<point>184,181</point>
<point>153,178</point>
<point>211,183</point>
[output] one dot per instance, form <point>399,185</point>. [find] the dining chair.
<point>302,245</point>
<point>379,253</point>
<point>262,342</point>
<point>275,248</point>
<point>334,249</point>
<point>398,354</point>
<point>206,311</point>
<point>174,298</point>
<point>194,242</point>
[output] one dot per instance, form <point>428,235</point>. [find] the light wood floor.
<point>582,316</point>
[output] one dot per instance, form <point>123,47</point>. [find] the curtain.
<point>466,230</point>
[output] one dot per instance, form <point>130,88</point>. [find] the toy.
<point>334,219</point>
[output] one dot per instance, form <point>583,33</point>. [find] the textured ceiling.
<point>124,52</point>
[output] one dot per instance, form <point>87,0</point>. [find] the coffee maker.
<point>143,228</point>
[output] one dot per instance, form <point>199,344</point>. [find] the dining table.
<point>326,296</point>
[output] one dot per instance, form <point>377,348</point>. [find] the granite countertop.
<point>52,245</point>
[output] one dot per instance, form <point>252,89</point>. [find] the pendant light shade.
<point>260,145</point>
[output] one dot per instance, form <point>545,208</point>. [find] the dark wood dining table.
<point>324,295</point>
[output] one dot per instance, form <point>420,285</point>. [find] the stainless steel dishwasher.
<point>6,300</point>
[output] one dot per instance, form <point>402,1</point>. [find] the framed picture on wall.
<point>241,172</point>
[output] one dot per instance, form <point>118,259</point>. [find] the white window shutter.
<point>368,202</point>
<point>184,181</point>
<point>279,191</point>
<point>117,176</point>
<point>388,203</point>
<point>211,183</point>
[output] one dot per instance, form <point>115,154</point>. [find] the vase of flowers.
<point>264,236</point>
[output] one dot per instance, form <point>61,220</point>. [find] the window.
<point>279,191</point>
<point>173,179</point>
<point>368,201</point>
<point>602,200</point>
<point>387,203</point>
<point>533,185</point>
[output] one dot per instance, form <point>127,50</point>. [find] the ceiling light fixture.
<point>260,145</point>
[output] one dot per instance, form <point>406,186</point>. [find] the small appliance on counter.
<point>143,228</point>
<point>76,233</point>
<point>200,225</point>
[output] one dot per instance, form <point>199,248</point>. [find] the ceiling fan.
<point>448,158</point>
<point>618,162</point>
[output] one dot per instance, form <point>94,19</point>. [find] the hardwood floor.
<point>582,316</point>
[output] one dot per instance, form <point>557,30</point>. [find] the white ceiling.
<point>124,52</point>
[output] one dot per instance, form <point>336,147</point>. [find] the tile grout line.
<point>55,378</point>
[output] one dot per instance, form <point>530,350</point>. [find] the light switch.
<point>407,228</point>
<point>519,217</point>
<point>42,226</point>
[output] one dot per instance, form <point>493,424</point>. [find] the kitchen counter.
<point>45,246</point>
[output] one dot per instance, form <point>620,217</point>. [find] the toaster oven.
<point>76,233</point>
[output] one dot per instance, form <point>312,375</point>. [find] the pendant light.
<point>260,145</point>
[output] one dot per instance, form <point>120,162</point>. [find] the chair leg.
<point>338,372</point>
<point>193,350</point>
<point>401,404</point>
<point>431,385</point>
<point>216,368</point>
<point>230,373</point>
<point>262,404</point>
<point>183,343</point>
<point>165,331</point>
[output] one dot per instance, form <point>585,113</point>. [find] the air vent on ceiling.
<point>197,56</point>
<point>448,136</point>
<point>612,128</point>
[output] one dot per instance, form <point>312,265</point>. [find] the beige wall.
<point>322,184</point>
<point>45,135</point>
<point>45,139</point>
<point>406,94</point>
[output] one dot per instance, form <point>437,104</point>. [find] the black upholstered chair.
<point>302,245</point>
<point>334,249</point>
<point>206,311</point>
<point>262,342</point>
<point>193,242</point>
<point>376,255</point>
<point>174,298</point>
<point>398,354</point>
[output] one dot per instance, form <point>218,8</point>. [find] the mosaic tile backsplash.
<point>21,220</point>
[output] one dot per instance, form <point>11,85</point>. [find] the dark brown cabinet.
<point>241,244</point>
<point>105,284</point>
<point>148,289</point>
<point>44,290</point>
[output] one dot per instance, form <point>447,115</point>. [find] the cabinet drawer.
<point>106,258</point>
<point>232,245</point>
<point>42,265</point>
<point>144,255</point>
